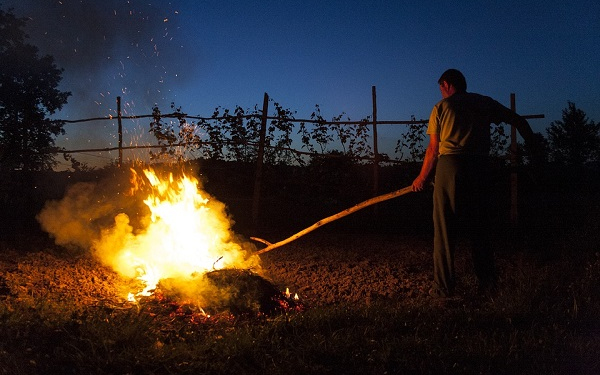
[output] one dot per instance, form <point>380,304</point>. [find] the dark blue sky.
<point>204,54</point>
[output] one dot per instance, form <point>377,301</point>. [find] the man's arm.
<point>534,144</point>
<point>507,115</point>
<point>524,129</point>
<point>431,156</point>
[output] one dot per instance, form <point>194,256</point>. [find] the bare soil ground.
<point>322,268</point>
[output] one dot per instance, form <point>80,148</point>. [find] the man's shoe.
<point>439,293</point>
<point>487,289</point>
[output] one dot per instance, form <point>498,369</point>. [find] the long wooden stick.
<point>346,212</point>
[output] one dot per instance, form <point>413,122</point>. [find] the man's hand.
<point>429,162</point>
<point>536,150</point>
<point>418,184</point>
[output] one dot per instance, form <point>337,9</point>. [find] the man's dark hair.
<point>455,78</point>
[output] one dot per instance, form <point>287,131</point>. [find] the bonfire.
<point>180,247</point>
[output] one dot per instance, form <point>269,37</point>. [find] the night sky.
<point>203,54</point>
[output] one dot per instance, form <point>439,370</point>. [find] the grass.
<point>544,320</point>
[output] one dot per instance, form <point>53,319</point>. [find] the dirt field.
<point>322,268</point>
<point>66,313</point>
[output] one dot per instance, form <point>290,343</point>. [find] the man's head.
<point>451,81</point>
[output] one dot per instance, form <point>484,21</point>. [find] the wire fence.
<point>261,138</point>
<point>369,154</point>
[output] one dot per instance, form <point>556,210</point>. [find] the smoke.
<point>153,228</point>
<point>78,219</point>
<point>63,219</point>
<point>109,48</point>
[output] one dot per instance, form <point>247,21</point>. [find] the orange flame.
<point>185,232</point>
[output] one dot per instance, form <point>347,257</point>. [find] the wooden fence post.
<point>259,162</point>
<point>514,212</point>
<point>120,130</point>
<point>375,145</point>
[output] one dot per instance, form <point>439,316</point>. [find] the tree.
<point>28,95</point>
<point>575,140</point>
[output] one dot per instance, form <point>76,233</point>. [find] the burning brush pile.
<point>173,239</point>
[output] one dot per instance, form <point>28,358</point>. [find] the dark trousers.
<point>461,207</point>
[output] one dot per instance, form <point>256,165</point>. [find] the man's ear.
<point>450,89</point>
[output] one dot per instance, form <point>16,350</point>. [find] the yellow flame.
<point>185,232</point>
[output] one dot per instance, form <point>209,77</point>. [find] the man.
<point>459,145</point>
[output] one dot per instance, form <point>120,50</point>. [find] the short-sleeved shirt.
<point>463,121</point>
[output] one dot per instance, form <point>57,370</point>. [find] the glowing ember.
<point>185,232</point>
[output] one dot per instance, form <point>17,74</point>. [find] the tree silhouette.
<point>575,140</point>
<point>28,95</point>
